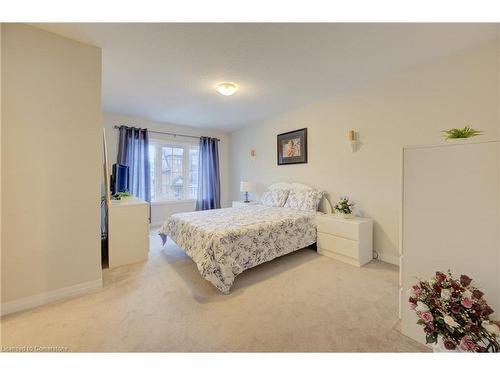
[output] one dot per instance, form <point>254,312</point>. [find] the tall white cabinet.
<point>450,218</point>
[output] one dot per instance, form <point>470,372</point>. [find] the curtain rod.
<point>172,134</point>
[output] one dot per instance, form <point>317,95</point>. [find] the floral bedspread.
<point>225,242</point>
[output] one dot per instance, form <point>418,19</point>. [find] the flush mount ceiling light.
<point>226,88</point>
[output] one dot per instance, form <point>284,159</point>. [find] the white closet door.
<point>450,218</point>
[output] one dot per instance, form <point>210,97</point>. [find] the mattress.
<point>225,242</point>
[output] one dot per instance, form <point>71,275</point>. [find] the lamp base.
<point>246,197</point>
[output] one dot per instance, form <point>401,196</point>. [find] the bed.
<point>225,242</point>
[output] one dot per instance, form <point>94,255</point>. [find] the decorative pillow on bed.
<point>305,200</point>
<point>274,198</point>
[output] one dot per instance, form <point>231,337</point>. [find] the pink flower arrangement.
<point>417,290</point>
<point>454,310</point>
<point>426,316</point>
<point>467,345</point>
<point>467,303</point>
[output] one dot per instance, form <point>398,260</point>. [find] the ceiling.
<point>167,72</point>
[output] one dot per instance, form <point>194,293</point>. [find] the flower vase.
<point>440,348</point>
<point>344,215</point>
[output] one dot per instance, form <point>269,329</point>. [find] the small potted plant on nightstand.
<point>344,208</point>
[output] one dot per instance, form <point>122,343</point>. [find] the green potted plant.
<point>121,195</point>
<point>464,133</point>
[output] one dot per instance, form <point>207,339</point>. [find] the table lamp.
<point>246,187</point>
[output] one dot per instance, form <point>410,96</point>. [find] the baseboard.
<point>392,259</point>
<point>155,225</point>
<point>52,296</point>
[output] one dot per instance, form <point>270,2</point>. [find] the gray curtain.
<point>133,151</point>
<point>208,175</point>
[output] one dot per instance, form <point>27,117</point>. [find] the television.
<point>119,179</point>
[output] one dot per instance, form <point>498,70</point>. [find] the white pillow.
<point>274,198</point>
<point>305,200</point>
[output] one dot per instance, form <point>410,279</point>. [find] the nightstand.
<point>347,240</point>
<point>243,204</point>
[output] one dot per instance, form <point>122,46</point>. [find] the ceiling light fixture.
<point>226,88</point>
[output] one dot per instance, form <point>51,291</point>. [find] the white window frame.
<point>186,146</point>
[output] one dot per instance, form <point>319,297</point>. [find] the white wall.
<point>411,108</point>
<point>51,170</point>
<point>162,210</point>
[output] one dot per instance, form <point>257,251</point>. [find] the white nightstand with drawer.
<point>347,240</point>
<point>243,204</point>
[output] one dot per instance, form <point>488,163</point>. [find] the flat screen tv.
<point>119,179</point>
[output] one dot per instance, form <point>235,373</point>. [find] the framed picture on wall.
<point>292,147</point>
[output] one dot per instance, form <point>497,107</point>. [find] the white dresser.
<point>243,204</point>
<point>347,240</point>
<point>128,231</point>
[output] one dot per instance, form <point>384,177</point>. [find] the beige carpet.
<point>301,302</point>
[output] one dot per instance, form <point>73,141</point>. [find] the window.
<point>173,169</point>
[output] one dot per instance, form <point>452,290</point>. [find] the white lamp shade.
<point>246,186</point>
